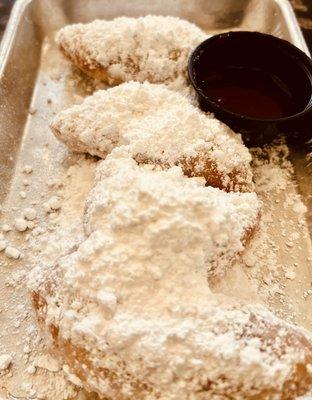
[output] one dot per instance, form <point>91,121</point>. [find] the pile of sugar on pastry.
<point>260,263</point>
<point>56,226</point>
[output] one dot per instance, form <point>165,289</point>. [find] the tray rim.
<point>292,21</point>
<point>10,31</point>
<point>20,5</point>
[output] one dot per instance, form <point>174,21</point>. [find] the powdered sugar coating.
<point>161,126</point>
<point>130,309</point>
<point>171,211</point>
<point>153,48</point>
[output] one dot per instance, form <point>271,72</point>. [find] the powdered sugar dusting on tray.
<point>143,275</point>
<point>287,266</point>
<point>279,257</point>
<point>264,272</point>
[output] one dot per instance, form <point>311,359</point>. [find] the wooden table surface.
<point>303,9</point>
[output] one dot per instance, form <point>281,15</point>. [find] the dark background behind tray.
<point>303,10</point>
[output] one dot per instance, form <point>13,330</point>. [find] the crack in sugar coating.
<point>152,48</point>
<point>160,126</point>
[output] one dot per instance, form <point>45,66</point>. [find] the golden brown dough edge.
<point>298,383</point>
<point>239,180</point>
<point>75,356</point>
<point>94,69</point>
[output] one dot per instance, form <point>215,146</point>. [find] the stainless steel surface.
<point>35,82</point>
<point>32,21</point>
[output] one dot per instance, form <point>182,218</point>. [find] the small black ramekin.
<point>274,55</point>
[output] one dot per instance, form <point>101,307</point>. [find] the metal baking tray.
<point>25,59</point>
<point>34,86</point>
